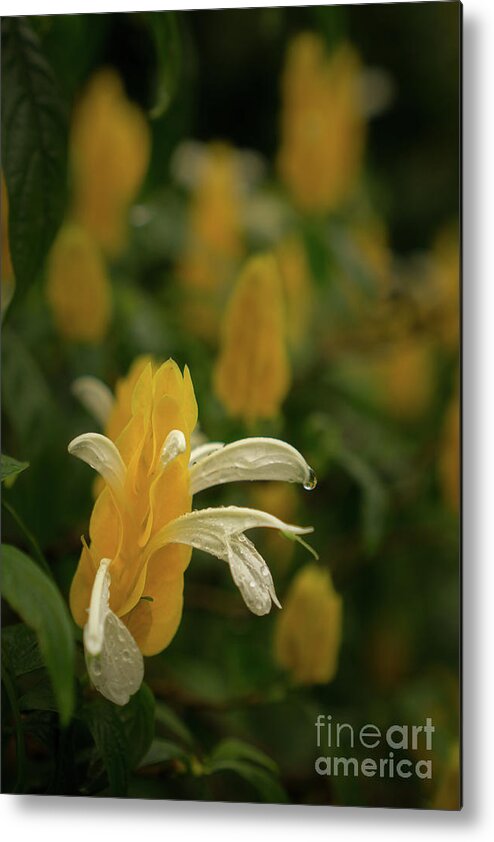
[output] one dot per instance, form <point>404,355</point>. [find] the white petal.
<point>101,454</point>
<point>175,444</point>
<point>114,661</point>
<point>203,450</point>
<point>98,609</point>
<point>251,459</point>
<point>95,396</point>
<point>220,533</point>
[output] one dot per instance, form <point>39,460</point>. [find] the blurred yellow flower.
<point>404,377</point>
<point>78,289</point>
<point>446,286</point>
<point>214,242</point>
<point>281,500</point>
<point>449,456</point>
<point>110,148</point>
<point>397,376</point>
<point>252,374</point>
<point>297,289</point>
<point>128,586</point>
<point>308,630</point>
<point>448,792</point>
<point>322,123</point>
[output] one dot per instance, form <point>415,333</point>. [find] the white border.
<point>77,819</point>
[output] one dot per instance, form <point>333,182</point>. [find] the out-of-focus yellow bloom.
<point>128,514</point>
<point>446,287</point>
<point>398,377</point>
<point>214,241</point>
<point>297,288</point>
<point>78,289</point>
<point>8,281</point>
<point>405,378</point>
<point>252,373</point>
<point>322,125</point>
<point>449,456</point>
<point>447,796</point>
<point>281,500</point>
<point>110,147</point>
<point>308,630</point>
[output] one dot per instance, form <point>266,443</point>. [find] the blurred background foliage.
<point>146,158</point>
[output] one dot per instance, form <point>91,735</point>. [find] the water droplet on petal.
<point>311,483</point>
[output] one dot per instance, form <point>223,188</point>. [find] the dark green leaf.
<point>39,698</point>
<point>137,717</point>
<point>168,719</point>
<point>268,787</point>
<point>11,467</point>
<point>161,751</point>
<point>234,749</point>
<point>34,149</point>
<point>38,602</point>
<point>108,734</point>
<point>165,31</point>
<point>20,648</point>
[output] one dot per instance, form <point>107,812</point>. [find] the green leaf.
<point>20,648</point>
<point>234,749</point>
<point>11,467</point>
<point>108,733</point>
<point>168,719</point>
<point>166,35</point>
<point>266,785</point>
<point>162,751</point>
<point>137,717</point>
<point>38,602</point>
<point>34,149</point>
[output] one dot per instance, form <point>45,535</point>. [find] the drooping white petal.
<point>95,396</point>
<point>101,454</point>
<point>175,444</point>
<point>219,532</point>
<point>251,459</point>
<point>203,450</point>
<point>114,661</point>
<point>94,630</point>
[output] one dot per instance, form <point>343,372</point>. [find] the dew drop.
<point>311,483</point>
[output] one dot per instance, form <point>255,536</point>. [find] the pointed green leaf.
<point>11,467</point>
<point>34,149</point>
<point>38,602</point>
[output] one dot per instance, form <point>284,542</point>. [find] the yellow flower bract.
<point>308,629</point>
<point>214,241</point>
<point>78,289</point>
<point>252,373</point>
<point>110,148</point>
<point>146,589</point>
<point>322,126</point>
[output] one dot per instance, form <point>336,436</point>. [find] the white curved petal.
<point>251,459</point>
<point>203,450</point>
<point>175,444</point>
<point>95,396</point>
<point>114,661</point>
<point>94,630</point>
<point>101,454</point>
<point>219,532</point>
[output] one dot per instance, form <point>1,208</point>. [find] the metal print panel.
<point>230,303</point>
